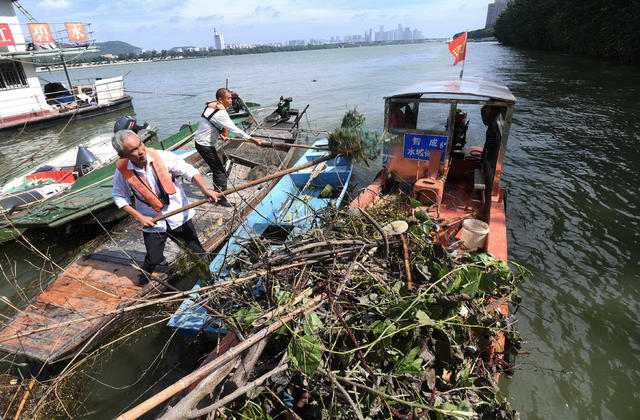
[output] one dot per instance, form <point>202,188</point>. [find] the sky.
<point>163,24</point>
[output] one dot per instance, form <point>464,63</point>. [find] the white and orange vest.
<point>142,187</point>
<point>210,110</point>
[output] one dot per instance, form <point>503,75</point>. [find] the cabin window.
<point>12,76</point>
<point>425,117</point>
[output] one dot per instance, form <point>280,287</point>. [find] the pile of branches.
<point>354,141</point>
<point>325,326</point>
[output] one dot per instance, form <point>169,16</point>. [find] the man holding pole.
<point>215,122</point>
<point>149,174</point>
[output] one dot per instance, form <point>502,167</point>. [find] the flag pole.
<point>465,55</point>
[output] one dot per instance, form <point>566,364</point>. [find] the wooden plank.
<point>102,280</point>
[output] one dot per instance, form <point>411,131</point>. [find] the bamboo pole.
<point>249,185</point>
<point>124,309</point>
<point>280,145</point>
<point>181,384</point>
<point>24,399</point>
<point>407,266</point>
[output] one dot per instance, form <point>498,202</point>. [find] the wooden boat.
<point>23,101</point>
<point>86,301</point>
<point>289,209</point>
<point>452,180</point>
<point>88,198</point>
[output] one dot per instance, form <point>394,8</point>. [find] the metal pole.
<point>465,56</point>
<point>64,65</point>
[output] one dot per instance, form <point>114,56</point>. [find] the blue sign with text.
<point>417,146</point>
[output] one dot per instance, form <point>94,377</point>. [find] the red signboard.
<point>40,33</point>
<point>76,31</point>
<point>6,37</point>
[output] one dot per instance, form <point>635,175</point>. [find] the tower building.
<point>219,40</point>
<point>493,10</point>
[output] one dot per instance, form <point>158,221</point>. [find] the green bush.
<point>599,28</point>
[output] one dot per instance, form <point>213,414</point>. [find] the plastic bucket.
<point>474,233</point>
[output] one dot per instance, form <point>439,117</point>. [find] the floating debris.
<point>333,331</point>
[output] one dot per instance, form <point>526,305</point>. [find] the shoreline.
<point>44,68</point>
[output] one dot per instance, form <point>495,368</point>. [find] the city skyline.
<point>163,24</point>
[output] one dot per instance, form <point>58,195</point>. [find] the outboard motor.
<point>236,103</point>
<point>127,122</point>
<point>85,161</point>
<point>460,127</point>
<point>283,107</point>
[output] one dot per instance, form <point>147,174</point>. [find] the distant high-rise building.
<point>219,40</point>
<point>493,10</point>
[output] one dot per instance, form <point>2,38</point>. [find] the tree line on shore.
<point>186,53</point>
<point>598,28</point>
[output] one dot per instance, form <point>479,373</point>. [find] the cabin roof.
<point>454,87</point>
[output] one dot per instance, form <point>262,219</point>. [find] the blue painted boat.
<point>289,209</point>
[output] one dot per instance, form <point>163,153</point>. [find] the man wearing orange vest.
<point>215,122</point>
<point>147,174</point>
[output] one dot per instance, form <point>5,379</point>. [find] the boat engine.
<point>283,107</point>
<point>85,162</point>
<point>127,122</point>
<point>236,103</point>
<point>460,127</point>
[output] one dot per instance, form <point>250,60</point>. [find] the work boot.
<point>143,278</point>
<point>224,202</point>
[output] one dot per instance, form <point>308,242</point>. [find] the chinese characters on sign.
<point>76,32</point>
<point>40,33</point>
<point>6,37</point>
<point>417,146</point>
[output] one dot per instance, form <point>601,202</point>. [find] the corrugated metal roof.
<point>455,87</point>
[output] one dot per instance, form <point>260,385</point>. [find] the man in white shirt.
<point>147,174</point>
<point>215,121</point>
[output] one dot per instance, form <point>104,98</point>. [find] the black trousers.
<point>155,242</point>
<point>210,155</point>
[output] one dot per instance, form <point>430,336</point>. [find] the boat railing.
<point>61,99</point>
<point>41,37</point>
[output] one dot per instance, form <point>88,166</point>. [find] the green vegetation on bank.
<point>598,28</point>
<point>261,49</point>
<point>478,33</point>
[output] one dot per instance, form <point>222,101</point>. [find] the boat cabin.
<point>449,128</point>
<point>449,138</point>
<point>22,98</point>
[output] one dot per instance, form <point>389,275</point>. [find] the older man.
<point>215,122</point>
<point>148,175</point>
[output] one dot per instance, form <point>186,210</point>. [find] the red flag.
<point>458,47</point>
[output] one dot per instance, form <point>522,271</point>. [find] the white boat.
<point>58,174</point>
<point>23,101</point>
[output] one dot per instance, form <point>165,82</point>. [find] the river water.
<point>572,216</point>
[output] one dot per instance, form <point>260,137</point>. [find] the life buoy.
<point>141,186</point>
<point>210,109</point>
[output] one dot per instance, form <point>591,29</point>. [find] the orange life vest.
<point>142,186</point>
<point>210,110</point>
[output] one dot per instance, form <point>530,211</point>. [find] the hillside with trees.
<point>117,47</point>
<point>597,28</point>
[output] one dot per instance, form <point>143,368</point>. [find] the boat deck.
<point>53,117</point>
<point>83,299</point>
